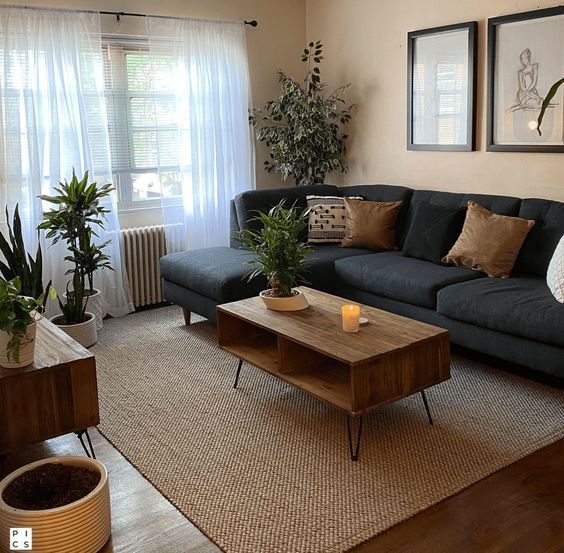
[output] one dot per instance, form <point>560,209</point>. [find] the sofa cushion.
<point>555,273</point>
<point>326,223</point>
<point>370,225</point>
<point>489,242</point>
<point>249,202</point>
<point>384,193</point>
<point>212,272</point>
<point>541,242</point>
<point>321,264</point>
<point>217,272</point>
<point>433,231</point>
<point>521,305</point>
<point>392,275</point>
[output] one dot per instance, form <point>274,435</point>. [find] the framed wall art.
<point>441,88</point>
<point>525,57</point>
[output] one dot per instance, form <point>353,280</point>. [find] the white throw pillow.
<point>555,273</point>
<point>326,219</point>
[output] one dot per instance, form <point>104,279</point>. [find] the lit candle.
<point>351,316</point>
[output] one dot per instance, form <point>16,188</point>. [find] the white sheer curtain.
<point>53,120</point>
<point>215,144</point>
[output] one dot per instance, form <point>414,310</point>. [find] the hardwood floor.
<point>143,521</point>
<point>519,509</point>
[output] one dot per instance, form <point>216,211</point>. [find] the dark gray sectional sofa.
<point>515,319</point>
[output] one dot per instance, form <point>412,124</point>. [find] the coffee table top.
<point>53,347</point>
<point>319,327</point>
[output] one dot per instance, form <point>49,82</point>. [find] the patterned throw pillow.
<point>555,274</point>
<point>326,219</point>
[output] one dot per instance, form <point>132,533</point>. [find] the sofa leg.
<point>186,313</point>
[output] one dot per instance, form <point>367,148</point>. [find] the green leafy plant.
<point>546,102</point>
<point>302,126</point>
<point>78,209</point>
<point>281,255</point>
<point>16,314</point>
<point>19,263</point>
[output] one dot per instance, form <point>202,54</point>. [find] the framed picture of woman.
<point>525,57</point>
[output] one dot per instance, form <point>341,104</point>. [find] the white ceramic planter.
<point>95,307</point>
<point>84,525</point>
<point>84,333</point>
<point>93,303</point>
<point>27,348</point>
<point>296,302</point>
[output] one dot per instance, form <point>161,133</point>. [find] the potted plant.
<point>19,263</point>
<point>90,258</point>
<point>546,102</point>
<point>18,322</point>
<point>78,209</point>
<point>301,127</point>
<point>64,500</point>
<point>281,256</point>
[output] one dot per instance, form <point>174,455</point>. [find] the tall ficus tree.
<point>302,127</point>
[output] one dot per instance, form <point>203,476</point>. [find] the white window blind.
<point>142,122</point>
<point>451,100</point>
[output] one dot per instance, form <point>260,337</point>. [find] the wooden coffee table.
<point>55,395</point>
<point>389,359</point>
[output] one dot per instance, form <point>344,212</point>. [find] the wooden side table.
<point>55,395</point>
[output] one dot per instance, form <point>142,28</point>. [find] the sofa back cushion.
<point>541,242</point>
<point>249,202</point>
<point>385,193</point>
<point>434,230</point>
<point>502,205</point>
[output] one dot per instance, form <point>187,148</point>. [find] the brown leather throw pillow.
<point>489,242</point>
<point>370,225</point>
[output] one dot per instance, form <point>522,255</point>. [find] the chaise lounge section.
<point>516,319</point>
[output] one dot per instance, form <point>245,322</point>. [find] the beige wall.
<point>366,45</point>
<point>275,43</point>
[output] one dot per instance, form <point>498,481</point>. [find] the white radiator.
<point>142,249</point>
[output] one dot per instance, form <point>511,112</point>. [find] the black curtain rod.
<point>252,23</point>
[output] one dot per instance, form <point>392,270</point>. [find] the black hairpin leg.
<point>89,453</point>
<point>238,373</point>
<point>354,451</point>
<point>427,407</point>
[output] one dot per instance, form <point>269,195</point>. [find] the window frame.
<point>122,176</point>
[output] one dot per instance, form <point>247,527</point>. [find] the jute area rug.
<point>266,469</point>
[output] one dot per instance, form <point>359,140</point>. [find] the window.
<point>142,124</point>
<point>451,102</point>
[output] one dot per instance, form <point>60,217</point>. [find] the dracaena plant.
<point>546,102</point>
<point>78,209</point>
<point>281,254</point>
<point>17,312</point>
<point>302,127</point>
<point>18,262</point>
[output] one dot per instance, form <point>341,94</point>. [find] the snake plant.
<point>18,262</point>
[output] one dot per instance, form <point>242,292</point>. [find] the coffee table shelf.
<point>330,383</point>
